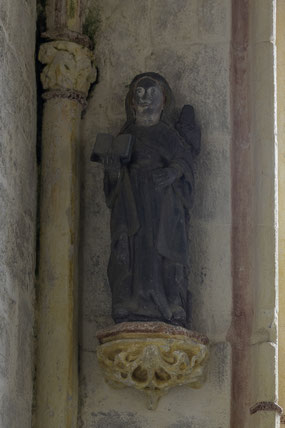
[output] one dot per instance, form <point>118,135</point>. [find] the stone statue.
<point>149,187</point>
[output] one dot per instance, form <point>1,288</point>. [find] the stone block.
<point>9,412</point>
<point>18,202</point>
<point>173,23</point>
<point>15,412</point>
<point>8,305</point>
<point>5,347</point>
<point>262,20</point>
<point>25,348</point>
<point>11,89</point>
<point>264,419</point>
<point>214,18</point>
<point>113,406</point>
<point>264,372</point>
<point>16,156</point>
<point>265,184</point>
<point>4,12</point>
<point>22,16</point>
<point>264,280</point>
<point>210,279</point>
<point>94,286</point>
<point>199,78</point>
<point>188,42</point>
<point>125,36</point>
<point>262,83</point>
<point>18,244</point>
<point>127,24</point>
<point>212,203</point>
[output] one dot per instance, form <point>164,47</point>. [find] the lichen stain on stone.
<point>92,23</point>
<point>71,9</point>
<point>188,423</point>
<point>220,353</point>
<point>113,419</point>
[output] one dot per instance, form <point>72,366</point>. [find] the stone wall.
<point>281,193</point>
<point>188,42</point>
<point>18,180</point>
<point>263,142</point>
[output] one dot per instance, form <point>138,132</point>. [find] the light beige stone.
<point>153,364</point>
<point>64,14</point>
<point>281,193</point>
<point>73,14</point>
<point>191,49</point>
<point>67,66</point>
<point>18,217</point>
<point>214,20</point>
<point>180,407</point>
<point>265,323</point>
<point>264,419</point>
<point>264,371</point>
<point>69,69</point>
<point>57,313</point>
<point>264,375</point>
<point>164,37</point>
<point>263,28</point>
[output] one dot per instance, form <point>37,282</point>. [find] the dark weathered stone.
<point>266,406</point>
<point>149,200</point>
<point>70,36</point>
<point>151,328</point>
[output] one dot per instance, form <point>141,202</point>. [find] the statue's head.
<point>149,100</point>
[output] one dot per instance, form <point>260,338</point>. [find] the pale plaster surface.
<point>181,407</point>
<point>264,350</point>
<point>263,129</point>
<point>18,182</point>
<point>188,43</point>
<point>281,192</point>
<point>266,419</point>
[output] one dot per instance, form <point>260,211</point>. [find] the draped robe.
<point>149,233</point>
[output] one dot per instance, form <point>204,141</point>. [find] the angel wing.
<point>188,129</point>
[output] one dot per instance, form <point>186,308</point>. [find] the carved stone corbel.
<point>152,357</point>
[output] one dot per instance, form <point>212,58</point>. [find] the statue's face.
<point>148,99</point>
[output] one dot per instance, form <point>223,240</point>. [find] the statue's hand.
<point>163,177</point>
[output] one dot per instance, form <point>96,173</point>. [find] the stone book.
<point>106,144</point>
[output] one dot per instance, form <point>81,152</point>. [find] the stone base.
<point>152,357</point>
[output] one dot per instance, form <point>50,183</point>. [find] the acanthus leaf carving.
<point>153,365</point>
<point>68,66</point>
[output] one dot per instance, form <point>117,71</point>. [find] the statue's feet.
<point>120,314</point>
<point>178,315</point>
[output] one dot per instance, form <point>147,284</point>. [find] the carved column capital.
<point>69,70</point>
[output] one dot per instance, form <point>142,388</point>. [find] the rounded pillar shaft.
<point>57,342</point>
<point>73,15</point>
<point>63,14</point>
<point>66,77</point>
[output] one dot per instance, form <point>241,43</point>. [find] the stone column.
<point>280,39</point>
<point>66,78</point>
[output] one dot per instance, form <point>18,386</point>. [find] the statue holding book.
<point>149,188</point>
